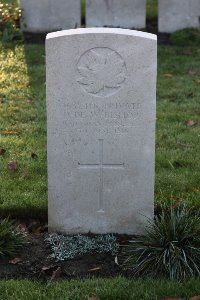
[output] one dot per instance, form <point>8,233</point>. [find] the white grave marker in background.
<point>40,16</point>
<point>116,13</point>
<point>178,14</point>
<point>101,96</point>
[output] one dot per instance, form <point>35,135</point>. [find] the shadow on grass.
<point>24,191</point>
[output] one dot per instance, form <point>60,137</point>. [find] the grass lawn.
<point>178,141</point>
<point>23,130</point>
<point>104,289</point>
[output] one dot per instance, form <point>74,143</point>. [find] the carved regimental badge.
<point>101,72</point>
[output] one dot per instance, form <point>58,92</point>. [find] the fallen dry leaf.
<point>48,270</point>
<point>168,75</point>
<point>191,123</point>
<point>13,165</point>
<point>56,274</point>
<point>9,132</point>
<point>94,269</point>
<point>15,261</point>
<point>93,298</point>
<point>193,71</point>
<point>23,228</point>
<point>2,151</point>
<point>195,298</point>
<point>40,229</point>
<point>36,227</point>
<point>195,190</point>
<point>33,225</point>
<point>197,81</point>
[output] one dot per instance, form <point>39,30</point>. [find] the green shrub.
<point>170,248</point>
<point>9,22</point>
<point>11,239</point>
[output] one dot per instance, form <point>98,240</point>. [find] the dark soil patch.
<point>34,262</point>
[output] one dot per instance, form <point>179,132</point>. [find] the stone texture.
<point>178,14</point>
<point>116,13</point>
<point>101,95</point>
<point>40,16</point>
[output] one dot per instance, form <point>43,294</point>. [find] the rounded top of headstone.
<point>100,30</point>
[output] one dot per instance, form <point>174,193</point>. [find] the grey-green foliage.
<point>67,247</point>
<point>171,246</point>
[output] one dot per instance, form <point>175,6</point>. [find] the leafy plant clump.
<point>170,248</point>
<point>68,247</point>
<point>9,22</point>
<point>11,239</point>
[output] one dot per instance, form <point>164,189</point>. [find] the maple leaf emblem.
<point>102,71</point>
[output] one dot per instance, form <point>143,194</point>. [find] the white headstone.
<point>178,14</point>
<point>101,96</point>
<point>116,13</point>
<point>40,16</point>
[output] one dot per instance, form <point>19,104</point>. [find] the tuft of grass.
<point>171,246</point>
<point>11,239</point>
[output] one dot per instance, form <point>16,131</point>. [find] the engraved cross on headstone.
<point>101,166</point>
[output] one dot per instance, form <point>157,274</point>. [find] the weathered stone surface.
<point>101,94</point>
<point>39,16</point>
<point>178,14</point>
<point>116,13</point>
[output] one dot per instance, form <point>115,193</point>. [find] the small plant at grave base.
<point>68,247</point>
<point>11,239</point>
<point>170,248</point>
<point>9,22</point>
